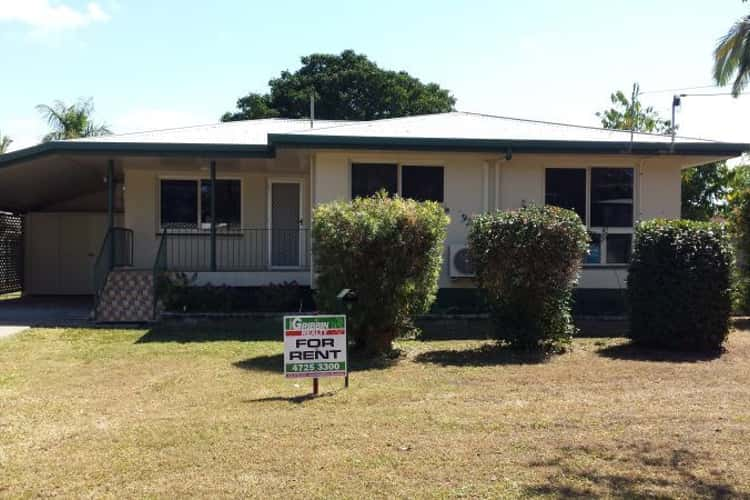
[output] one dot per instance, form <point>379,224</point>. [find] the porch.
<point>283,251</point>
<point>190,217</point>
<point>108,225</point>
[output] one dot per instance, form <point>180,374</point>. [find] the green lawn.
<point>188,411</point>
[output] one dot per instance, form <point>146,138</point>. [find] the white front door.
<point>285,202</point>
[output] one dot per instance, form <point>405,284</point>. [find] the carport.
<point>63,197</point>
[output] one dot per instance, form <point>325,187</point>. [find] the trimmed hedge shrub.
<point>390,250</point>
<point>528,262</point>
<point>177,292</point>
<point>741,233</point>
<point>680,285</point>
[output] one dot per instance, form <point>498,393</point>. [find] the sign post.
<point>314,347</point>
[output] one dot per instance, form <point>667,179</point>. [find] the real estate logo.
<point>315,346</point>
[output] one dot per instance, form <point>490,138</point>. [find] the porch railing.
<point>247,249</point>
<point>160,266</point>
<point>116,251</point>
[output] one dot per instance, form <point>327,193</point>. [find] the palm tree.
<point>732,57</point>
<point>4,143</point>
<point>71,122</point>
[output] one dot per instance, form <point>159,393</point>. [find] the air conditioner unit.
<point>461,266</point>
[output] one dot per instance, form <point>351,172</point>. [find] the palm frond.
<point>71,121</point>
<point>730,54</point>
<point>5,142</point>
<point>53,114</point>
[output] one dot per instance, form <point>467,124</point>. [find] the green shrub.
<point>680,285</point>
<point>390,251</point>
<point>740,219</point>
<point>528,262</point>
<point>177,292</point>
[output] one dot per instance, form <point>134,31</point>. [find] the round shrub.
<point>528,262</point>
<point>390,251</point>
<point>680,285</point>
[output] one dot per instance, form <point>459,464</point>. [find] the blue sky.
<point>156,64</point>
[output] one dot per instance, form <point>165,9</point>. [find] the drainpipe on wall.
<point>213,215</point>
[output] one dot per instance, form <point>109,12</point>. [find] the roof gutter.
<point>137,149</point>
<point>718,149</point>
<point>502,146</point>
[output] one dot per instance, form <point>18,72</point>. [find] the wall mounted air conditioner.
<point>461,267</point>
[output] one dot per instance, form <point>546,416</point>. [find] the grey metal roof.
<point>247,132</point>
<point>453,131</point>
<point>463,125</point>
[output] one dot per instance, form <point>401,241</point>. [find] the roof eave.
<point>502,145</point>
<point>137,149</point>
<point>715,149</point>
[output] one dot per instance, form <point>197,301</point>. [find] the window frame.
<point>601,230</point>
<point>586,192</point>
<point>399,173</point>
<point>352,164</point>
<point>199,229</point>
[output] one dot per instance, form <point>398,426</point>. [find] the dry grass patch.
<point>191,411</point>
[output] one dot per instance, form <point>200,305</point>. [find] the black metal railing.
<point>247,249</point>
<point>160,266</point>
<point>116,251</point>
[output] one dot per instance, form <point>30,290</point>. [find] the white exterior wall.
<point>466,187</point>
<point>142,207</point>
<point>475,183</point>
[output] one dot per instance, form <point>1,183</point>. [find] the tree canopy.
<point>629,114</point>
<point>348,86</point>
<point>705,189</point>
<point>4,143</point>
<point>71,121</point>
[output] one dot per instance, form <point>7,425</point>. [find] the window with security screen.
<point>566,188</point>
<point>369,178</point>
<point>422,183</point>
<point>604,199</point>
<point>186,204</point>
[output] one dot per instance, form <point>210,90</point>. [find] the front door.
<point>286,214</point>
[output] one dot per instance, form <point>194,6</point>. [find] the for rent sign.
<point>314,346</point>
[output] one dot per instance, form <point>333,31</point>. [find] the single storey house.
<point>232,202</point>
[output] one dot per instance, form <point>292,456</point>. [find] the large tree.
<point>71,121</point>
<point>346,87</point>
<point>4,143</point>
<point>732,56</point>
<point>705,188</point>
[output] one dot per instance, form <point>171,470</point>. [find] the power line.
<point>662,91</point>
<point>706,95</point>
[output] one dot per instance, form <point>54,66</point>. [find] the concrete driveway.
<point>43,311</point>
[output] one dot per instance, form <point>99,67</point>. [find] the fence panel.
<point>11,253</point>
